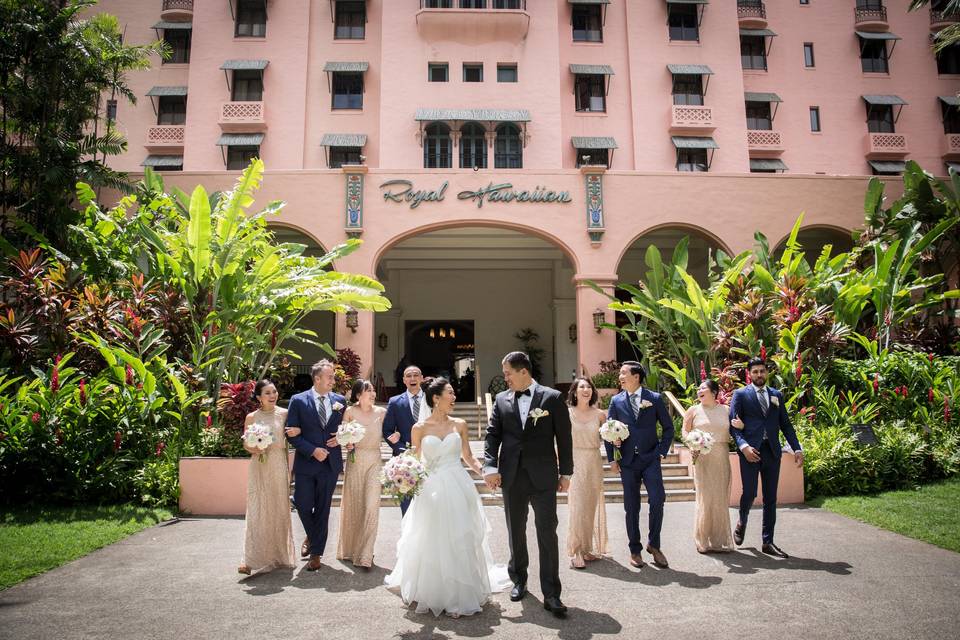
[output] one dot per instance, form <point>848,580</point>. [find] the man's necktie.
<point>416,408</point>
<point>635,403</point>
<point>322,412</point>
<point>764,403</point>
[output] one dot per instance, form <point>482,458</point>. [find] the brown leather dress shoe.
<point>636,560</point>
<point>659,559</point>
<point>244,569</point>
<point>314,563</point>
<point>305,548</point>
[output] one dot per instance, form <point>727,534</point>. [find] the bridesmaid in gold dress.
<point>587,535</point>
<point>711,473</point>
<point>360,507</point>
<point>268,535</point>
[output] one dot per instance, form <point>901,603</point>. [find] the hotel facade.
<point>496,155</point>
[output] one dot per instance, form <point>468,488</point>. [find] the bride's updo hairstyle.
<point>433,387</point>
<point>359,386</point>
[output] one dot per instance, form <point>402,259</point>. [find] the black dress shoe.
<point>519,590</point>
<point>738,532</point>
<point>554,606</point>
<point>773,550</point>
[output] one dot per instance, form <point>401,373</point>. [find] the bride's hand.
<point>737,423</point>
<point>394,437</point>
<point>292,432</point>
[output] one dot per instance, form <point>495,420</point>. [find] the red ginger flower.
<point>117,439</point>
<point>930,394</point>
<point>763,352</point>
<point>876,382</point>
<point>703,372</point>
<point>129,375</point>
<point>161,446</point>
<point>83,392</point>
<point>35,418</point>
<point>209,421</point>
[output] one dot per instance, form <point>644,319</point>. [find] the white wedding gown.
<point>443,559</point>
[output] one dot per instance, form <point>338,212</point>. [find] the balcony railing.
<point>941,19</point>
<point>686,116</point>
<point>487,4</point>
<point>473,23</point>
<point>242,116</point>
<point>870,17</point>
<point>887,144</point>
<point>953,144</point>
<point>176,10</point>
<point>751,9</point>
<point>165,135</point>
<point>764,140</point>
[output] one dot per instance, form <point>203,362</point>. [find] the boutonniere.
<point>538,413</point>
<point>774,400</point>
<point>645,404</point>
<point>337,406</point>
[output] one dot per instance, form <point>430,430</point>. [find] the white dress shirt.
<point>325,399</point>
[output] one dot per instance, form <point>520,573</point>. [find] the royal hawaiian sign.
<point>404,191</point>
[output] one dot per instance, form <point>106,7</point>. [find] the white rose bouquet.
<point>698,441</point>
<point>258,436</point>
<point>614,431</point>
<point>349,433</point>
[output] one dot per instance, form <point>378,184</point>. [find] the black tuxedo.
<point>530,457</point>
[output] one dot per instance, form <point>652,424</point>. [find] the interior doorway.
<point>444,348</point>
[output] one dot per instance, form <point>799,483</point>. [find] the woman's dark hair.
<point>261,385</point>
<point>756,362</point>
<point>636,369</point>
<point>712,385</point>
<point>359,386</point>
<point>572,394</point>
<point>433,387</point>
<point>518,360</point>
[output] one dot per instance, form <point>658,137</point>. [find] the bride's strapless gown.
<point>443,559</point>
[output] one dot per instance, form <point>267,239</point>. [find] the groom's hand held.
<point>320,454</point>
<point>493,481</point>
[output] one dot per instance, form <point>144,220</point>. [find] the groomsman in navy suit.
<point>764,415</point>
<point>641,409</point>
<point>403,411</point>
<point>317,412</point>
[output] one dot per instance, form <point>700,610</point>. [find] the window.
<point>340,156</point>
<point>948,60</point>
<point>880,118</point>
<point>506,4</point>
<point>179,42</point>
<point>508,147</point>
<point>347,90</point>
<point>506,73</point>
<point>808,60</point>
<point>436,147</point>
<point>758,116</point>
<point>753,52</point>
<point>688,89</point>
<point>815,119</point>
<point>951,118</point>
<point>168,167</point>
<point>438,4</point>
<point>111,110</point>
<point>438,72</point>
<point>804,1</point>
<point>754,169</point>
<point>238,157</point>
<point>873,56</point>
<point>472,72</point>
<point>351,20</point>
<point>247,86</point>
<point>473,4</point>
<point>683,22</point>
<point>172,109</point>
<point>587,23</point>
<point>251,19</point>
<point>691,159</point>
<point>590,93</point>
<point>593,156</point>
<point>869,4</point>
<point>473,146</point>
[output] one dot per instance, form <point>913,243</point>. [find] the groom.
<point>529,430</point>
<point>318,463</point>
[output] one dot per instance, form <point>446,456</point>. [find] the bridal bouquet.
<point>614,431</point>
<point>258,436</point>
<point>698,441</point>
<point>350,433</point>
<point>402,476</point>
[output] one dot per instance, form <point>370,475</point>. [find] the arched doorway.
<point>814,239</point>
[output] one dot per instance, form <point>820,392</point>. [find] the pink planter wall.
<point>214,486</point>
<point>789,491</point>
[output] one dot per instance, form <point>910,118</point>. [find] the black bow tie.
<point>525,392</point>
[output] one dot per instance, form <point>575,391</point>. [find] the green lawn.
<point>930,513</point>
<point>37,539</point>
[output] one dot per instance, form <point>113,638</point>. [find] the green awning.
<point>694,142</point>
<point>767,164</point>
<point>591,69</point>
<point>240,139</point>
<point>245,65</point>
<point>875,35</point>
<point>343,140</point>
<point>167,91</point>
<point>757,32</point>
<point>593,142</point>
<point>162,161</point>
<point>753,96</point>
<point>354,67</point>
<point>484,115</point>
<point>888,166</point>
<point>690,69</point>
<point>173,26</point>
<point>881,100</point>
<point>950,101</point>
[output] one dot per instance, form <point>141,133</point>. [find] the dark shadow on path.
<point>475,626</point>
<point>750,560</point>
<point>579,624</point>
<point>650,575</point>
<point>330,579</point>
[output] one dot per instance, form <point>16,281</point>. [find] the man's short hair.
<point>518,360</point>
<point>756,362</point>
<point>318,368</point>
<point>412,366</point>
<point>636,369</point>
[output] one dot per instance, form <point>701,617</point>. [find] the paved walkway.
<point>846,579</point>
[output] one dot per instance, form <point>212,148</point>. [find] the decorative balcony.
<point>501,20</point>
<point>871,18</point>
<point>687,117</point>
<point>241,117</point>
<point>953,144</point>
<point>177,10</point>
<point>764,142</point>
<point>165,137</point>
<point>941,19</point>
<point>752,14</point>
<point>886,145</point>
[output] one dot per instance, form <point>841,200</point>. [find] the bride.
<point>443,560</point>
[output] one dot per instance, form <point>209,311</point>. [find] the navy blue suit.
<point>642,452</point>
<point>399,419</point>
<point>762,432</point>
<point>315,481</point>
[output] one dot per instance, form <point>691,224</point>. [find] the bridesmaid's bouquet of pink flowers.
<point>350,433</point>
<point>614,432</point>
<point>258,436</point>
<point>698,441</point>
<point>402,476</point>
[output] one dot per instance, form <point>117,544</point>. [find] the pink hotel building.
<point>494,155</point>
